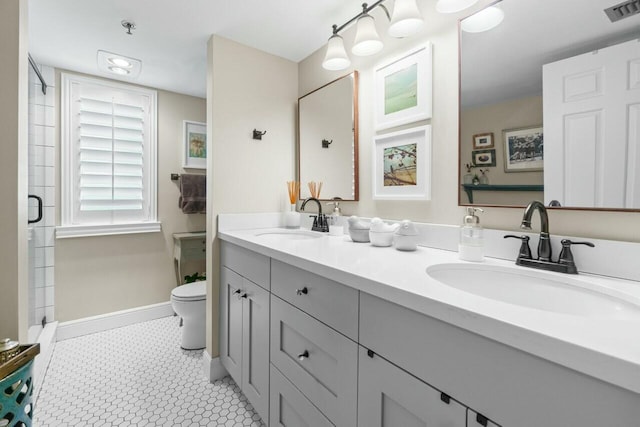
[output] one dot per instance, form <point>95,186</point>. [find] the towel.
<point>193,193</point>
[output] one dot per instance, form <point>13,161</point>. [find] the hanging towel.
<point>193,193</point>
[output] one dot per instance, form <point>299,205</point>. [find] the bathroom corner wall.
<point>14,76</point>
<point>246,89</point>
<point>442,31</point>
<point>97,275</point>
<point>42,181</point>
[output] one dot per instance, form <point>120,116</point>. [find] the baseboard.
<point>117,319</point>
<point>212,367</point>
<point>47,340</point>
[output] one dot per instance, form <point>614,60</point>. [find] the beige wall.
<point>96,275</point>
<point>246,89</point>
<point>512,114</point>
<point>13,169</point>
<point>443,208</point>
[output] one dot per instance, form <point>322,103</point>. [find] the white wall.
<point>443,208</point>
<point>246,89</point>
<point>13,169</point>
<point>96,275</point>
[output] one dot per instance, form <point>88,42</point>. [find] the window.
<point>108,158</point>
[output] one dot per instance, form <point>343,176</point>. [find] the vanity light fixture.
<point>484,20</point>
<point>405,21</point>
<point>113,63</point>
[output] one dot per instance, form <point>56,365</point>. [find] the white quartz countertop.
<point>599,346</point>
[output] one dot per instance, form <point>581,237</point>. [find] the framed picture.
<point>484,157</point>
<point>403,89</point>
<point>402,165</point>
<point>523,149</point>
<point>194,145</point>
<point>483,140</point>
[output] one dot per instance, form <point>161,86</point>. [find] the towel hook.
<point>326,143</point>
<point>258,135</point>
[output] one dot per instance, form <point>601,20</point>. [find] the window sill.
<point>71,231</point>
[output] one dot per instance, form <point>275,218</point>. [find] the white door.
<point>592,128</point>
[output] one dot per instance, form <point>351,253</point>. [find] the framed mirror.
<point>550,107</point>
<point>328,139</point>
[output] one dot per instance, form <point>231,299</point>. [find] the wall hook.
<point>258,135</point>
<point>326,144</point>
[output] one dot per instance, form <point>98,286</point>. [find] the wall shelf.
<point>470,188</point>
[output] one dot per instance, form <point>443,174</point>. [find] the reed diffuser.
<point>314,189</point>
<point>292,217</point>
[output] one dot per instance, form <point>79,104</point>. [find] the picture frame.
<point>484,157</point>
<point>483,140</point>
<point>402,165</point>
<point>403,89</point>
<point>194,145</point>
<point>523,149</point>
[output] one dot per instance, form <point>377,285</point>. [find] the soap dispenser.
<point>471,246</point>
<point>336,225</point>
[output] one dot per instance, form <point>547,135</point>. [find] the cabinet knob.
<point>302,291</point>
<point>237,291</point>
<point>244,295</point>
<point>304,355</point>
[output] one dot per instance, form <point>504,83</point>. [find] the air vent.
<point>623,10</point>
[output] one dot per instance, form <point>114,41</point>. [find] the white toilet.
<point>189,302</point>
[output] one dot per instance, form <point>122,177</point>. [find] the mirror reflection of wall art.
<point>403,89</point>
<point>402,165</point>
<point>194,147</point>
<point>483,140</point>
<point>484,157</point>
<point>524,149</point>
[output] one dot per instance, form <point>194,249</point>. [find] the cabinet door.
<point>289,408</point>
<point>255,347</point>
<point>390,397</point>
<point>231,323</point>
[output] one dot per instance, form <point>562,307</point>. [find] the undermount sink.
<point>539,290</point>
<point>289,234</point>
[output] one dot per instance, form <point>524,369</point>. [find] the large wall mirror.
<point>550,107</point>
<point>328,139</point>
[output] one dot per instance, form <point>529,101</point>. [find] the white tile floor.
<point>136,376</point>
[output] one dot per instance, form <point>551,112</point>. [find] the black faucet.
<point>565,262</point>
<point>319,221</point>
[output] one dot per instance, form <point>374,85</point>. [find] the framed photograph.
<point>483,140</point>
<point>402,165</point>
<point>403,89</point>
<point>484,157</point>
<point>523,149</point>
<point>194,145</point>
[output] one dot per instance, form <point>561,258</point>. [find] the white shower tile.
<point>49,137</point>
<point>48,74</point>
<point>49,296</point>
<point>49,276</point>
<point>49,236</point>
<point>137,375</point>
<point>38,175</point>
<point>39,260</point>
<point>50,313</point>
<point>39,295</point>
<point>37,234</point>
<point>49,257</point>
<point>38,155</point>
<point>49,156</point>
<point>49,196</point>
<point>39,314</point>
<point>49,176</point>
<point>39,277</point>
<point>49,216</point>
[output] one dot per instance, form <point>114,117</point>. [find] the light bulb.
<point>484,20</point>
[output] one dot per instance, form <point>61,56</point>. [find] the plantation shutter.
<point>111,165</point>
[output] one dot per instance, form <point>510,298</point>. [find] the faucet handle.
<point>566,256</point>
<point>525,250</point>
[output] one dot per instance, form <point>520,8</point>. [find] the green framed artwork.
<point>194,145</point>
<point>403,89</point>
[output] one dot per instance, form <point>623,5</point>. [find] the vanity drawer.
<point>326,300</point>
<point>289,407</point>
<point>248,264</point>
<point>327,373</point>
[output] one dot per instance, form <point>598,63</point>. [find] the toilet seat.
<point>195,291</point>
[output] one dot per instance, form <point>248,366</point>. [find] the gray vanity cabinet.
<point>244,326</point>
<point>390,397</point>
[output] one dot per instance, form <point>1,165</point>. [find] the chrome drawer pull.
<point>302,291</point>
<point>303,356</point>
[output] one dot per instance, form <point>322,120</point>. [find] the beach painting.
<point>401,90</point>
<point>194,145</point>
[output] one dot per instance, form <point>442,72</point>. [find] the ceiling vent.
<point>623,10</point>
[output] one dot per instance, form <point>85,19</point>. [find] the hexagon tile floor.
<point>136,376</point>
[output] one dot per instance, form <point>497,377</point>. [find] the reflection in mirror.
<point>328,139</point>
<point>557,89</point>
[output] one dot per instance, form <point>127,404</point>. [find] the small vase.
<point>484,179</point>
<point>467,179</point>
<point>292,218</point>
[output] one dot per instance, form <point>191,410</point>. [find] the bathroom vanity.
<point>321,331</point>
